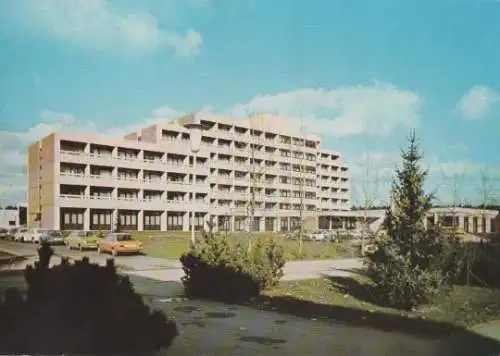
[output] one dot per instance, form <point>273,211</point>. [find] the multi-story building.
<point>257,168</point>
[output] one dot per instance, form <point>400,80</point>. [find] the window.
<point>239,223</point>
<point>175,221</point>
<point>72,218</point>
<point>151,220</point>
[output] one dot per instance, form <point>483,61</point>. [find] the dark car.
<point>53,237</point>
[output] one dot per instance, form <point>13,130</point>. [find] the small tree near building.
<point>405,266</point>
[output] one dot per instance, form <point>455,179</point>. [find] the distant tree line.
<point>469,206</point>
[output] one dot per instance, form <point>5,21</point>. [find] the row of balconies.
<point>276,199</point>
<point>201,167</point>
<point>72,178</point>
<point>252,139</point>
<point>135,203</point>
<point>160,156</point>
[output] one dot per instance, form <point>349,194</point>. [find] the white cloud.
<point>98,24</point>
<point>477,102</point>
<point>375,109</point>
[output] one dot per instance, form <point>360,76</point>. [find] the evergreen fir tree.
<point>405,267</point>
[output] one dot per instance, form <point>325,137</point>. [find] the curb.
<point>487,323</point>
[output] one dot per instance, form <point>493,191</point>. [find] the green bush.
<point>80,308</point>
<point>474,264</point>
<point>219,269</point>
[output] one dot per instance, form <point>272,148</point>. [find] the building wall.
<point>9,218</point>
<point>71,178</point>
<point>49,185</point>
<point>33,190</point>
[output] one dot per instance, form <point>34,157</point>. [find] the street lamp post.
<point>194,127</point>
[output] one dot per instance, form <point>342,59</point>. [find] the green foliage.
<point>219,269</point>
<point>407,267</point>
<point>80,308</point>
<point>475,264</point>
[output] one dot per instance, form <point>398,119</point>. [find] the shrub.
<point>475,264</point>
<point>80,308</point>
<point>219,269</point>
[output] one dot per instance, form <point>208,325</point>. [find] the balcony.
<point>154,164</point>
<point>176,166</point>
<point>101,159</point>
<point>223,149</point>
<point>73,200</point>
<point>73,156</point>
<point>228,180</point>
<point>242,181</point>
<point>177,185</point>
<point>223,164</point>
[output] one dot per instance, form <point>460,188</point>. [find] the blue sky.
<point>360,73</point>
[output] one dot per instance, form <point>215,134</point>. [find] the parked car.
<point>19,234</point>
<point>316,235</point>
<point>12,233</point>
<point>34,235</point>
<point>3,233</point>
<point>53,237</point>
<point>83,240</point>
<point>116,243</point>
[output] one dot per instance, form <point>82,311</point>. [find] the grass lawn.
<point>172,245</point>
<point>464,306</point>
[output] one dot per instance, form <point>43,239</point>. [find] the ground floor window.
<point>100,219</point>
<point>175,220</point>
<point>199,221</point>
<point>284,224</point>
<point>270,224</point>
<point>256,224</point>
<point>224,223</point>
<point>127,220</point>
<point>239,223</point>
<point>71,219</point>
<point>152,220</point>
<point>474,224</point>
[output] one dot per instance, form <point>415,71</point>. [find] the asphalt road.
<point>170,270</point>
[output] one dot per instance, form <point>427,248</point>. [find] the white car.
<point>19,234</point>
<point>34,235</point>
<point>317,236</point>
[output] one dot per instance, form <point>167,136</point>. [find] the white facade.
<point>145,180</point>
<point>9,218</point>
<point>470,220</point>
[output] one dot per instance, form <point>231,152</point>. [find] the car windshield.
<point>124,237</point>
<point>54,233</point>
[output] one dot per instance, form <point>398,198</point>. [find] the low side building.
<point>470,220</point>
<point>9,218</point>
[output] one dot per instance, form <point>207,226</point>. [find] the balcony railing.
<point>152,160</point>
<point>100,197</point>
<point>127,198</point>
<point>72,196</point>
<point>127,158</point>
<point>130,179</point>
<point>99,155</point>
<point>72,153</point>
<point>72,174</point>
<point>152,199</point>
